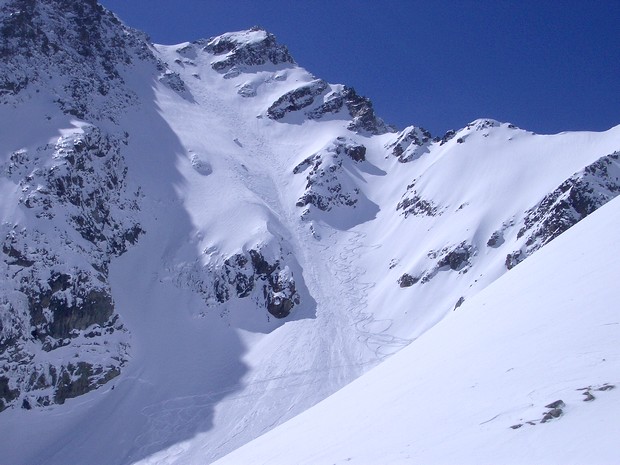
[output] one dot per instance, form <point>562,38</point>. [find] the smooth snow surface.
<point>541,333</point>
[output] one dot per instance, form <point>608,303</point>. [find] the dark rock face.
<point>7,395</point>
<point>359,108</point>
<point>297,99</point>
<point>556,404</point>
<point>254,274</point>
<point>410,144</point>
<point>321,100</point>
<point>364,117</point>
<point>449,135</point>
<point>74,303</point>
<point>414,204</point>
<point>406,280</point>
<point>327,186</point>
<point>513,259</point>
<point>496,239</point>
<point>75,380</point>
<point>455,258</point>
<point>249,48</point>
<point>355,152</point>
<point>588,397</point>
<point>79,45</point>
<point>573,200</point>
<point>60,295</point>
<point>551,414</point>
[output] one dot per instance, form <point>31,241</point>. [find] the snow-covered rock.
<point>572,201</point>
<point>56,286</point>
<point>410,144</point>
<point>201,241</point>
<point>328,184</point>
<point>242,49</point>
<point>259,274</point>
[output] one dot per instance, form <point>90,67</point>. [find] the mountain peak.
<point>251,47</point>
<point>78,49</point>
<point>483,123</point>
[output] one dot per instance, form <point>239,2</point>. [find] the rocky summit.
<point>201,241</point>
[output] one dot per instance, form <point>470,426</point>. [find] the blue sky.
<point>546,66</point>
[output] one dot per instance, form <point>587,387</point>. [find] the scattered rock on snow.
<point>459,302</point>
<point>588,396</point>
<point>557,404</point>
<point>551,414</point>
<point>496,239</point>
<point>414,204</point>
<point>406,280</point>
<point>606,387</point>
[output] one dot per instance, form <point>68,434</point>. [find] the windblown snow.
<point>205,240</point>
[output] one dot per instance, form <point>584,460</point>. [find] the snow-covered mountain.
<point>525,372</point>
<point>201,241</point>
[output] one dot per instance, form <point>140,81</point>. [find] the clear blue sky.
<point>546,66</point>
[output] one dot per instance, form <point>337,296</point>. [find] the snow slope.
<point>286,239</point>
<point>473,389</point>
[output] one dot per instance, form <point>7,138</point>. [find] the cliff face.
<point>72,211</point>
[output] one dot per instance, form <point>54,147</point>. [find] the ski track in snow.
<point>485,402</point>
<point>348,339</point>
<point>372,332</point>
<point>344,248</point>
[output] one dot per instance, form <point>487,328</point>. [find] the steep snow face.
<point>524,372</point>
<point>239,242</point>
<point>465,210</point>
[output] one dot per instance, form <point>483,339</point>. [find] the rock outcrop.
<point>321,100</point>
<point>296,99</point>
<point>414,204</point>
<point>457,258</point>
<point>410,144</point>
<point>328,186</point>
<point>77,48</point>
<point>55,272</point>
<point>60,334</point>
<point>243,49</point>
<point>263,273</point>
<point>573,200</point>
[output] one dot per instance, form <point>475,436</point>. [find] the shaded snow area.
<point>200,242</point>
